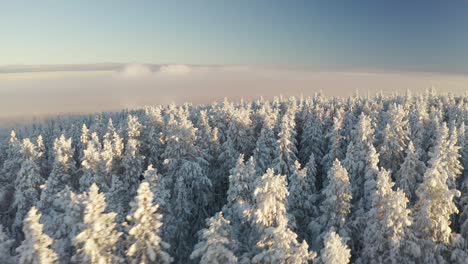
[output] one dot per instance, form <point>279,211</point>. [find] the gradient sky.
<point>428,35</point>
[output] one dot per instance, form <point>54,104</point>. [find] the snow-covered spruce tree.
<point>395,139</point>
<point>388,223</point>
<point>435,203</point>
<point>12,162</point>
<point>27,184</point>
<point>210,148</point>
<point>42,161</point>
<point>336,205</point>
<point>239,138</point>
<point>301,200</point>
<point>159,186</point>
<point>239,205</point>
<point>277,243</point>
<point>266,151</point>
<point>215,242</point>
<point>117,197</point>
<point>152,136</point>
<point>144,242</point>
<point>358,154</point>
<point>132,160</point>
<point>335,139</point>
<point>410,173</point>
<point>61,174</point>
<point>8,173</point>
<point>463,219</point>
<point>64,222</point>
<point>418,120</point>
<point>239,195</point>
<point>335,250</point>
<point>205,137</point>
<point>312,174</point>
<point>370,177</point>
<point>180,140</point>
<point>312,140</point>
<point>112,151</point>
<point>97,241</point>
<point>36,247</point>
<point>84,140</point>
<point>92,165</point>
<point>286,145</point>
<point>191,200</point>
<point>450,156</point>
<point>5,248</point>
<point>463,143</point>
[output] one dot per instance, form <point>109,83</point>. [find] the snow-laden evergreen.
<point>410,173</point>
<point>36,246</point>
<point>335,207</point>
<point>435,205</point>
<point>335,250</point>
<point>144,241</point>
<point>97,241</point>
<point>216,242</point>
<point>277,243</point>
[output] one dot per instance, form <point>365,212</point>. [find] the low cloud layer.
<point>28,91</point>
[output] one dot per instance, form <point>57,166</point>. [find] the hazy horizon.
<point>79,89</point>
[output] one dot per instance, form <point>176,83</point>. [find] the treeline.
<point>288,180</point>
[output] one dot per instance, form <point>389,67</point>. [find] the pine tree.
<point>276,243</point>
<point>216,242</point>
<point>335,250</point>
<point>145,243</point>
<point>410,173</point>
<point>97,241</point>
<point>36,247</point>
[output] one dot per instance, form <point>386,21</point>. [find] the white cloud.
<point>175,69</point>
<point>136,71</point>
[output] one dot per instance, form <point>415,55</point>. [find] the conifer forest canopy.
<point>325,180</point>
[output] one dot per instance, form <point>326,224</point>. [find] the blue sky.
<point>363,34</point>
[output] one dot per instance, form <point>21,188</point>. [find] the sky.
<point>112,54</point>
<point>427,35</point>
